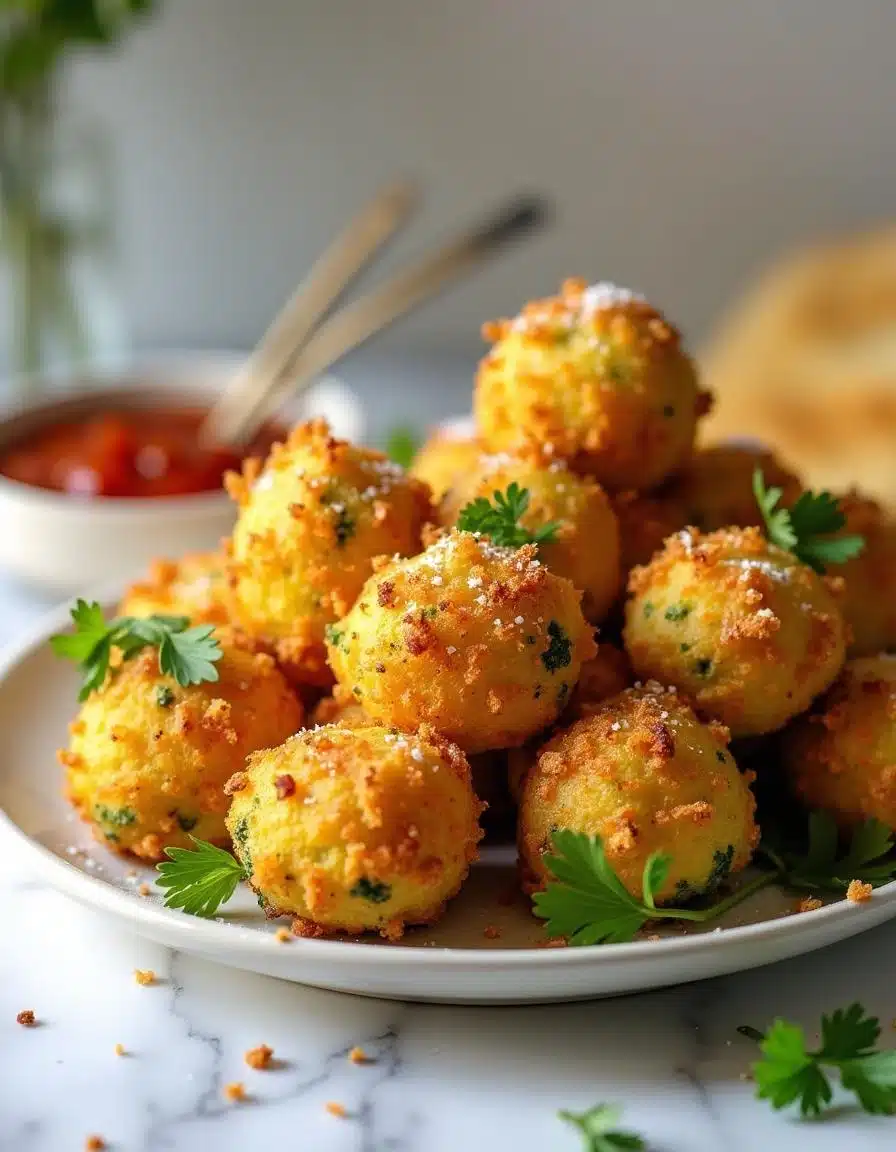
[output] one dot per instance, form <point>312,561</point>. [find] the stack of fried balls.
<point>386,674</point>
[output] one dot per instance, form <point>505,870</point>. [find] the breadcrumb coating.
<point>596,376</point>
<point>192,586</point>
<point>310,522</point>
<point>645,774</point>
<point>483,643</point>
<point>379,831</point>
<point>749,633</point>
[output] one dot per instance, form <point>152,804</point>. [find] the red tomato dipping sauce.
<point>139,455</point>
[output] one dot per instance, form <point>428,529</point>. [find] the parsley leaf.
<point>599,1133</point>
<point>499,519</point>
<point>869,857</point>
<point>188,654</point>
<point>586,902</point>
<point>808,528</point>
<point>199,880</point>
<point>789,1073</point>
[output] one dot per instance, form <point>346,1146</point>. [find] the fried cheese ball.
<point>443,458</point>
<point>645,775</point>
<point>841,756</point>
<point>715,488</point>
<point>310,522</point>
<point>646,521</point>
<point>356,829</point>
<point>483,643</point>
<point>148,759</point>
<point>585,547</point>
<point>597,374</point>
<point>869,602</point>
<point>749,633</point>
<point>191,586</point>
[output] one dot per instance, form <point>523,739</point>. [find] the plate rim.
<point>98,893</point>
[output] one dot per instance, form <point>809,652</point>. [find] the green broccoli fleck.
<point>677,612</point>
<point>164,696</point>
<point>118,817</point>
<point>372,890</point>
<point>558,653</point>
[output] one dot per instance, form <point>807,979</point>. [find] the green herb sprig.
<point>187,654</point>
<point>499,519</point>
<point>599,1132</point>
<point>808,528</point>
<point>869,857</point>
<point>402,445</point>
<point>199,880</point>
<point>587,903</point>
<point>789,1073</point>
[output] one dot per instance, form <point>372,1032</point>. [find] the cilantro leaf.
<point>869,857</point>
<point>599,1133</point>
<point>499,519</point>
<point>809,528</point>
<point>199,880</point>
<point>188,654</point>
<point>789,1073</point>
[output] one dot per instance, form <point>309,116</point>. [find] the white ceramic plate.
<point>455,961</point>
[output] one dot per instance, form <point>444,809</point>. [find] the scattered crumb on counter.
<point>808,904</point>
<point>653,937</point>
<point>144,890</point>
<point>235,1091</point>
<point>94,1144</point>
<point>144,976</point>
<point>490,932</point>
<point>27,1018</point>
<point>120,1050</point>
<point>555,942</point>
<point>283,935</point>
<point>335,1108</point>
<point>359,1056</point>
<point>858,892</point>
<point>259,1057</point>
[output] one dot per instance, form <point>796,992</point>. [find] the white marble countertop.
<point>439,1078</point>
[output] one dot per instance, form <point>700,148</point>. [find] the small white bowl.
<point>63,545</point>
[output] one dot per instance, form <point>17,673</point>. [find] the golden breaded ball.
<point>645,775</point>
<point>148,759</point>
<point>749,633</point>
<point>598,377</point>
<point>192,586</point>
<point>443,458</point>
<point>488,770</point>
<point>715,489</point>
<point>483,643</point>
<point>869,602</point>
<point>646,521</point>
<point>310,522</point>
<point>841,756</point>
<point>585,547</point>
<point>356,829</point>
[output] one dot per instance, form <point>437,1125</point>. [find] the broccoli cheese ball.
<point>869,602</point>
<point>598,375</point>
<point>746,630</point>
<point>148,759</point>
<point>585,547</point>
<point>841,757</point>
<point>645,775</point>
<point>356,829</point>
<point>444,458</point>
<point>645,522</point>
<point>715,489</point>
<point>309,525</point>
<point>483,643</point>
<point>192,586</point>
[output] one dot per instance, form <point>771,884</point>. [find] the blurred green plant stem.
<point>37,236</point>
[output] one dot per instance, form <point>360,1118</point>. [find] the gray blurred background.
<point>684,144</point>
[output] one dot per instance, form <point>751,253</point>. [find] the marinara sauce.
<point>130,454</point>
